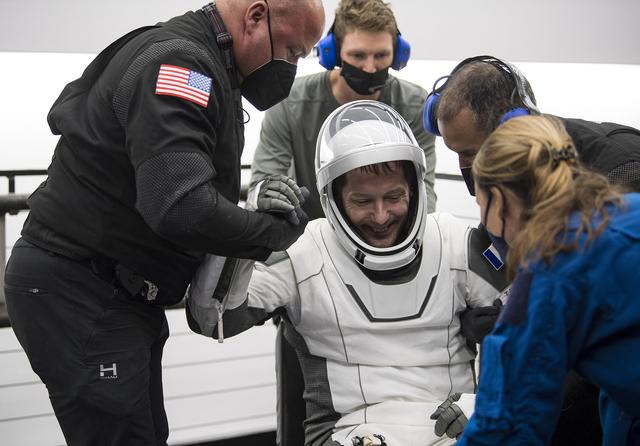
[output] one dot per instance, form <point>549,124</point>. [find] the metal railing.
<point>13,203</point>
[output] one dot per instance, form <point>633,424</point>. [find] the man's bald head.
<point>294,27</point>
<point>304,18</point>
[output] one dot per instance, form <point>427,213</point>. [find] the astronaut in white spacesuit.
<point>371,295</point>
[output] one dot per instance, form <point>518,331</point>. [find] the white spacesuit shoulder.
<point>481,284</point>
<point>455,234</point>
<point>305,253</point>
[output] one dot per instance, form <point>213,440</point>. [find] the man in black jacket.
<point>144,181</point>
<point>481,93</point>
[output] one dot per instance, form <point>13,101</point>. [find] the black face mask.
<point>362,82</point>
<point>467,175</point>
<point>498,241</point>
<point>270,83</point>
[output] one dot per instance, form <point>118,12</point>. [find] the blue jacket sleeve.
<point>523,366</point>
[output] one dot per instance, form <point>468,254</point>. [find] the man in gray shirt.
<point>361,46</point>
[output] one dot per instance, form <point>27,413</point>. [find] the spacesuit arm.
<point>228,296</point>
<point>218,289</point>
<point>486,286</point>
<point>485,281</point>
<point>274,287</point>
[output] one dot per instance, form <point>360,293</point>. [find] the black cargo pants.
<point>97,350</point>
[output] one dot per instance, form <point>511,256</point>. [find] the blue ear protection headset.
<point>329,53</point>
<point>429,118</point>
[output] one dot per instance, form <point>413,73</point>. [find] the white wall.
<point>597,92</point>
<point>596,31</point>
<point>206,388</point>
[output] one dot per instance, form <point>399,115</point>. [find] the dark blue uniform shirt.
<point>583,312</point>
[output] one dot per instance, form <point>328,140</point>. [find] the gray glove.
<point>278,194</point>
<point>450,419</point>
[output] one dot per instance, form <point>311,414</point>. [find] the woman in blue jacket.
<point>573,244</point>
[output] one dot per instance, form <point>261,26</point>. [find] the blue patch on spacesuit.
<point>515,311</point>
<point>491,254</point>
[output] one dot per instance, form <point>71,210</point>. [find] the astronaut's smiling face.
<point>377,203</point>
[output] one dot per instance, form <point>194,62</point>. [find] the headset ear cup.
<point>514,113</point>
<point>328,51</point>
<point>401,53</point>
<point>429,119</point>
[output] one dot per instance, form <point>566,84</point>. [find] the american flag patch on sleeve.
<point>183,83</point>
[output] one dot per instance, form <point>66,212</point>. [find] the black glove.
<point>476,323</point>
<point>278,194</point>
<point>449,418</point>
<point>284,233</point>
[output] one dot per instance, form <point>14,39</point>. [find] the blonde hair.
<point>535,158</point>
<point>367,15</point>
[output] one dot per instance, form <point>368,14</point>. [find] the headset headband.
<point>509,70</point>
<point>429,117</point>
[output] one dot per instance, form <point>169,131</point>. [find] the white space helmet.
<point>358,134</point>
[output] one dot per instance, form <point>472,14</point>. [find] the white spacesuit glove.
<point>278,194</point>
<point>453,414</point>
